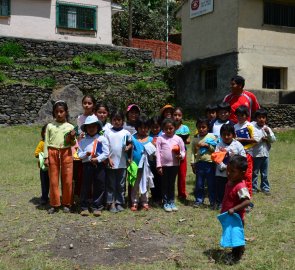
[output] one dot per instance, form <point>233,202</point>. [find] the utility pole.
<point>130,24</point>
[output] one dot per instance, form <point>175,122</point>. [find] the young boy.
<point>211,113</point>
<point>245,135</point>
<point>223,111</point>
<point>264,137</point>
<point>236,197</point>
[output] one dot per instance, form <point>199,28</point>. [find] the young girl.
<point>102,113</point>
<point>119,141</point>
<point>166,112</point>
<point>132,114</point>
<point>139,140</point>
<point>88,103</point>
<point>228,147</point>
<point>155,132</point>
<point>169,151</point>
<point>236,197</point>
<point>39,153</point>
<point>59,138</point>
<point>203,145</point>
<point>184,133</point>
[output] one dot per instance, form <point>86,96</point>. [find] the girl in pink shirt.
<point>170,150</point>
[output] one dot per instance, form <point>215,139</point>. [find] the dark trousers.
<point>93,180</point>
<point>44,178</point>
<point>116,179</point>
<point>220,188</point>
<point>168,184</point>
<point>156,191</point>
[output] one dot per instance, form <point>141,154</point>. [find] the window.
<point>210,79</point>
<point>75,16</point>
<point>274,78</point>
<point>279,14</point>
<point>4,7</point>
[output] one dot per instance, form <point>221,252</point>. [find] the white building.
<point>254,38</point>
<point>84,21</point>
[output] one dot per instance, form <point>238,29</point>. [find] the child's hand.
<point>178,156</point>
<point>203,145</point>
<point>160,170</point>
<point>128,147</point>
<point>111,163</point>
<point>266,129</point>
<point>88,154</point>
<point>73,133</point>
<point>231,211</point>
<point>94,160</point>
<point>46,162</point>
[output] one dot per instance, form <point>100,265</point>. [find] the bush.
<point>46,82</point>
<point>76,62</point>
<point>11,49</point>
<point>2,77</point>
<point>131,64</point>
<point>6,61</point>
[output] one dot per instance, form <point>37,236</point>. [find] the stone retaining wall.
<point>281,115</point>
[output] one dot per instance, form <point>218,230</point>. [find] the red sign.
<point>195,4</point>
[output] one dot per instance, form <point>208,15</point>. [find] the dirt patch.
<point>97,243</point>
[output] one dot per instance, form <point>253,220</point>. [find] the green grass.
<point>46,82</point>
<point>271,223</point>
<point>143,85</point>
<point>6,61</point>
<point>12,49</point>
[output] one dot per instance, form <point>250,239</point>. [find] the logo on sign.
<point>195,4</point>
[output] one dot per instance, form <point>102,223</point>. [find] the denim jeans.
<point>260,164</point>
<point>205,171</point>
<point>116,182</point>
<point>220,188</point>
<point>168,184</point>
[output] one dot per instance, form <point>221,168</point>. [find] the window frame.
<point>60,4</point>
<point>206,72</point>
<point>8,9</point>
<point>282,77</point>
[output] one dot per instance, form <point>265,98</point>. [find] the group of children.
<point>149,154</point>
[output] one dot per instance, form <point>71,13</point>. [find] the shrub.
<point>11,49</point>
<point>47,82</point>
<point>131,64</point>
<point>2,77</point>
<point>76,62</point>
<point>6,61</point>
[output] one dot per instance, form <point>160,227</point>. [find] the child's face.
<point>117,122</point>
<point>91,129</point>
<point>202,129</point>
<point>143,130</point>
<point>169,130</point>
<point>133,115</point>
<point>223,115</point>
<point>177,116</point>
<point>60,114</point>
<point>88,106</point>
<point>102,114</point>
<point>168,113</point>
<point>261,120</point>
<point>234,174</point>
<point>155,129</point>
<point>227,137</point>
<point>242,118</point>
<point>211,115</point>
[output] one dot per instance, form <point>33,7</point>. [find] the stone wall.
<point>281,115</point>
<point>66,50</point>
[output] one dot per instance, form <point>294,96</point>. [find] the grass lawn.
<point>188,239</point>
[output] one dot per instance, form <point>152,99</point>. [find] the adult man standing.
<point>239,97</point>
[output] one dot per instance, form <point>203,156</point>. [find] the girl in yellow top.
<point>59,138</point>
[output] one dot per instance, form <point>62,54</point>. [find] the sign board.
<point>200,7</point>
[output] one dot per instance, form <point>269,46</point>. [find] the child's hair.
<point>178,109</point>
<point>239,80</point>
<point>167,121</point>
<point>99,128</point>
<point>91,97</point>
<point>260,112</point>
<point>155,120</point>
<point>61,103</point>
<point>242,110</point>
<point>117,114</point>
<point>211,108</point>
<point>100,105</point>
<point>239,162</point>
<point>203,120</point>
<point>223,106</point>
<point>142,121</point>
<point>228,128</point>
<point>43,130</point>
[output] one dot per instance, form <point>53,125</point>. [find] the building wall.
<point>210,34</point>
<point>263,45</point>
<point>37,19</point>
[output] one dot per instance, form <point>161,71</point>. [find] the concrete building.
<point>254,38</point>
<point>84,21</point>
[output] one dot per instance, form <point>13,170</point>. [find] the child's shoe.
<point>84,213</point>
<point>173,207</point>
<point>97,213</point>
<point>120,208</point>
<point>167,207</point>
<point>113,210</point>
<point>66,210</point>
<point>134,207</point>
<point>145,207</point>
<point>52,210</point>
<point>197,204</point>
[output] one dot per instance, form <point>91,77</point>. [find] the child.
<point>223,111</point>
<point>166,112</point>
<point>155,127</point>
<point>184,133</point>
<point>139,139</point>
<point>203,145</point>
<point>264,137</point>
<point>39,153</point>
<point>228,146</point>
<point>211,111</point>
<point>88,103</point>
<point>119,141</point>
<point>59,138</point>
<point>93,150</point>
<point>245,135</point>
<point>102,113</point>
<point>169,151</point>
<point>236,197</point>
<point>132,114</point>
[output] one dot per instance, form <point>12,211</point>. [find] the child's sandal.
<point>145,207</point>
<point>134,207</point>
